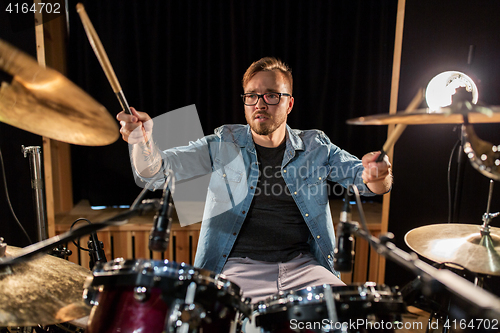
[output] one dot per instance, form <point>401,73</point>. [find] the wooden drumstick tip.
<point>79,7</point>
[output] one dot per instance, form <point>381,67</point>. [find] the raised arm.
<point>137,129</point>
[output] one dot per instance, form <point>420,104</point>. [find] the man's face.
<point>265,119</point>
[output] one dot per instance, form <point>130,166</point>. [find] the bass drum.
<point>161,296</point>
<point>359,308</point>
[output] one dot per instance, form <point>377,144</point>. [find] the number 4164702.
<point>40,7</point>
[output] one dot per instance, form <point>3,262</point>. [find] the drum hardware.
<point>187,316</point>
<point>37,184</point>
<point>44,102</point>
<point>141,294</point>
<point>61,251</point>
<point>90,293</point>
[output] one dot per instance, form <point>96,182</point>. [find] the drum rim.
<point>163,274</point>
<point>372,293</point>
<point>161,268</point>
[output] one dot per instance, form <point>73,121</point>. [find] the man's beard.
<point>266,128</point>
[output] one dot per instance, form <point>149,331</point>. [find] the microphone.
<point>344,252</point>
<point>96,250</point>
<point>160,233</point>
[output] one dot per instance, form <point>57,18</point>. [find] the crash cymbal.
<point>480,114</point>
<point>43,101</point>
<point>460,244</point>
<point>43,291</point>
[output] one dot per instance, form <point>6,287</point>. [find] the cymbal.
<point>43,291</point>
<point>423,116</point>
<point>44,102</point>
<point>460,244</point>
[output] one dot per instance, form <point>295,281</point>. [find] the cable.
<point>449,180</point>
<point>72,225</point>
<point>8,199</point>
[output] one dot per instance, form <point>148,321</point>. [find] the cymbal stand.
<point>37,184</point>
<point>487,217</point>
<point>486,239</point>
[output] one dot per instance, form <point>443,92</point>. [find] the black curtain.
<point>19,30</point>
<point>169,54</point>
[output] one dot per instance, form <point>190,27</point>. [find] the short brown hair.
<point>268,64</point>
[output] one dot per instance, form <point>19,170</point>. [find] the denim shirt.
<point>229,156</point>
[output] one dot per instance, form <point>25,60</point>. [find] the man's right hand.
<point>131,124</point>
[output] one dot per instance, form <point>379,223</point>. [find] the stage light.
<point>442,87</point>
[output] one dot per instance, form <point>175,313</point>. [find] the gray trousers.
<point>260,280</point>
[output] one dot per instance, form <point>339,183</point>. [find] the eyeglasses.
<point>269,98</point>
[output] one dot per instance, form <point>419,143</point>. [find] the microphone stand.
<point>477,302</point>
<point>487,305</point>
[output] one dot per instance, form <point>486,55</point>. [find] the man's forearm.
<point>146,159</point>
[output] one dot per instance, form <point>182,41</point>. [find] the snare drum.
<point>157,296</point>
<point>359,308</point>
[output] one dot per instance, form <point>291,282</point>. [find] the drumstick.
<point>99,51</point>
<point>398,130</point>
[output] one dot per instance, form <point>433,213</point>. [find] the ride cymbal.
<point>461,244</point>
<point>44,102</point>
<point>43,291</point>
<point>479,114</point>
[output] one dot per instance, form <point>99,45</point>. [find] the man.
<point>267,223</point>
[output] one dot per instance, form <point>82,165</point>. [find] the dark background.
<point>169,54</point>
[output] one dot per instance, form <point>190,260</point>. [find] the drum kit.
<point>43,293</point>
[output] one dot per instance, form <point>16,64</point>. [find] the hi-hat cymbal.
<point>460,244</point>
<point>43,291</point>
<point>43,101</point>
<point>479,114</point>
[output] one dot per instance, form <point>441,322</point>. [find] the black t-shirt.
<point>274,229</point>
